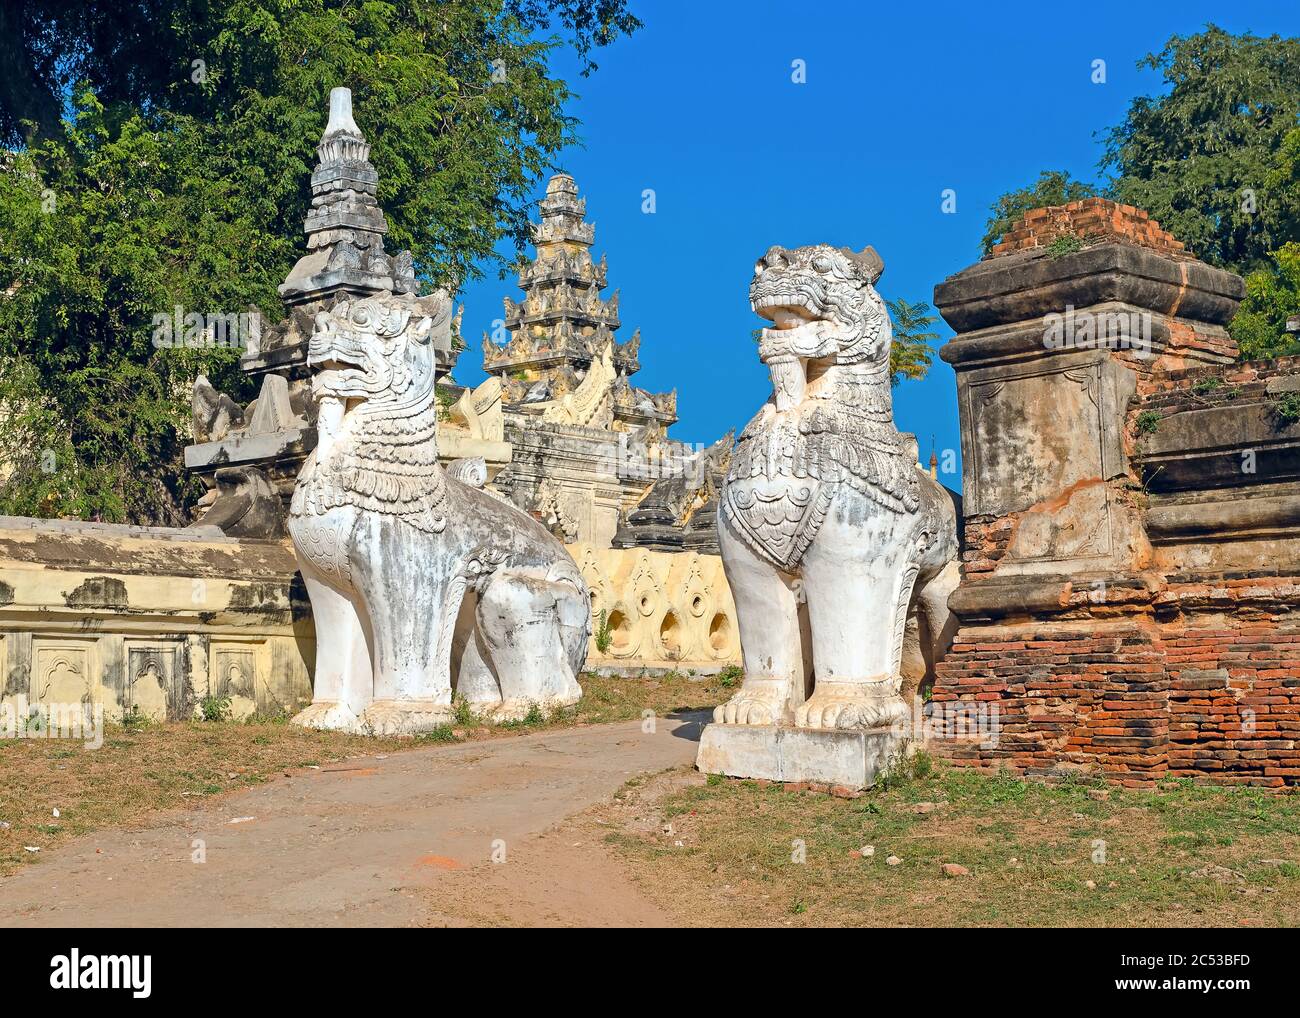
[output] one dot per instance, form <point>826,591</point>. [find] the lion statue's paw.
<point>759,702</point>
<point>404,717</point>
<point>849,706</point>
<point>328,715</point>
<point>517,708</point>
<point>520,708</point>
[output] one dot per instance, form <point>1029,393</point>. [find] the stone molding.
<point>143,616</point>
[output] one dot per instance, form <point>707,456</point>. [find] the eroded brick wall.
<point>1094,219</point>
<point>1208,696</point>
<point>1234,683</point>
<point>1067,699</point>
<point>1201,386</point>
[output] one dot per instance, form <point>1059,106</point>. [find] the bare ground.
<point>401,839</point>
<point>54,790</point>
<point>609,825</point>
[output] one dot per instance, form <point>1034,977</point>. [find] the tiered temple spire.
<point>250,456</point>
<point>345,227</point>
<point>563,324</point>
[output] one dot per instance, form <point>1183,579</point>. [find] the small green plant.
<point>1148,422</point>
<point>798,907</point>
<point>535,716</point>
<point>134,719</point>
<point>1214,385</point>
<point>461,712</point>
<point>730,676</point>
<point>716,779</point>
<point>1147,478</point>
<point>905,770</point>
<point>1066,243</point>
<point>442,733</point>
<point>214,708</point>
<point>446,401</point>
<point>1288,407</point>
<point>922,764</point>
<point>604,635</point>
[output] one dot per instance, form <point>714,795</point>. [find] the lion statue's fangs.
<point>825,511</point>
<point>420,584</point>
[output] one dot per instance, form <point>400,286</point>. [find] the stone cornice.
<point>1031,284</point>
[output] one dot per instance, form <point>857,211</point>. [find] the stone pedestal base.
<point>849,758</point>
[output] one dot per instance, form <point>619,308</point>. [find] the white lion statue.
<point>421,585</point>
<point>830,533</point>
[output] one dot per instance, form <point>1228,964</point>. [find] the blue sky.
<point>901,102</point>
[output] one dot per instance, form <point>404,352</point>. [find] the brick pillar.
<point>1067,321</point>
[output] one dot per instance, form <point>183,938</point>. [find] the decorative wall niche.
<point>238,672</point>
<point>154,684</point>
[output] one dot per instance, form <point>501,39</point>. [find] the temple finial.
<point>341,113</point>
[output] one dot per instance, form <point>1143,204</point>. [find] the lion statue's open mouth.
<point>358,348</point>
<point>823,309</point>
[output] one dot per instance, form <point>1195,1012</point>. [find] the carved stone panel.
<point>61,673</point>
<point>153,681</point>
<point>1033,429</point>
<point>234,675</point>
<point>1078,526</point>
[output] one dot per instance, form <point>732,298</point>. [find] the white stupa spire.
<point>341,121</point>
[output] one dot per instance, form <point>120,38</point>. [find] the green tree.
<point>1215,159</point>
<point>102,230</point>
<point>1198,156</point>
<point>1283,182</point>
<point>1273,290</point>
<point>160,152</point>
<point>910,355</point>
<point>1053,187</point>
<point>1272,297</point>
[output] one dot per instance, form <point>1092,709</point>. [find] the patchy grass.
<point>606,700</point>
<point>1184,855</point>
<point>144,767</point>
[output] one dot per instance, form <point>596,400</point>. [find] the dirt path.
<point>402,840</point>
